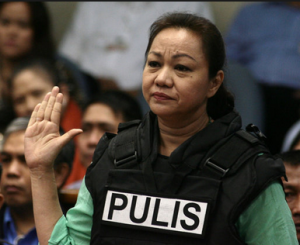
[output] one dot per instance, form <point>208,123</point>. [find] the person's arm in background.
<point>42,144</point>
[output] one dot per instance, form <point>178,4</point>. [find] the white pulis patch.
<point>169,214</point>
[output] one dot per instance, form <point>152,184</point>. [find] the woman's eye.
<point>4,22</point>
<point>24,24</point>
<point>153,64</point>
<point>182,68</point>
<point>5,159</point>
<point>18,101</point>
<point>289,196</point>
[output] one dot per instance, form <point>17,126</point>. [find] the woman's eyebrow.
<point>174,56</point>
<point>183,55</point>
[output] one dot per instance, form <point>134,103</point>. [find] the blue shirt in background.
<point>265,37</point>
<point>10,233</point>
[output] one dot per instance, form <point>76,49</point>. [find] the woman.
<point>25,33</point>
<point>165,192</point>
<point>30,82</point>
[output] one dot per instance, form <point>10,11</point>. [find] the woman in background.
<point>33,78</point>
<point>25,33</point>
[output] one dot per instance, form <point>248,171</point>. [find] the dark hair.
<point>291,157</point>
<point>120,102</point>
<point>65,155</point>
<point>40,65</point>
<point>213,48</point>
<point>43,43</point>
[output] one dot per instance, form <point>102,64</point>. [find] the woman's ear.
<point>215,83</point>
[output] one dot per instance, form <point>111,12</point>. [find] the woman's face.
<point>16,34</point>
<point>28,89</point>
<point>176,75</point>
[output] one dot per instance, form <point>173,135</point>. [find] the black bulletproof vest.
<point>217,172</point>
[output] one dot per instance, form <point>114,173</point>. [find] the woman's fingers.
<point>40,113</point>
<point>56,110</point>
<point>50,103</point>
<point>33,115</point>
<point>45,110</point>
<point>66,137</point>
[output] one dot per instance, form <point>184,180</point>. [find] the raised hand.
<point>42,138</point>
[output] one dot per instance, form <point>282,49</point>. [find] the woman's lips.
<point>161,96</point>
<point>10,44</point>
<point>12,189</point>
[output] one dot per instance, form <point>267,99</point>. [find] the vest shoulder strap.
<point>123,148</point>
<point>234,150</point>
<point>124,151</point>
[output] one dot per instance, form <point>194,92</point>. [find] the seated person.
<point>30,82</point>
<point>291,160</point>
<point>1,203</point>
<point>26,32</point>
<point>17,221</point>
<point>101,114</point>
<point>1,195</point>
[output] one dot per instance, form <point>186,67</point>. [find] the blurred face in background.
<point>15,179</point>
<point>97,119</point>
<point>16,33</point>
<point>28,89</point>
<point>292,193</point>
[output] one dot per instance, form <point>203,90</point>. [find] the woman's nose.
<point>164,78</point>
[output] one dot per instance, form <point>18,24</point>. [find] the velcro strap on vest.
<point>124,151</point>
<point>225,157</point>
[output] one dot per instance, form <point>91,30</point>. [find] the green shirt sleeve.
<point>268,219</point>
<point>75,228</point>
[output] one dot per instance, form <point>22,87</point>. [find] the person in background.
<point>264,37</point>
<point>1,195</point>
<point>291,160</point>
<point>2,241</point>
<point>26,33</point>
<point>32,79</point>
<point>17,224</point>
<point>101,114</point>
<point>163,179</point>
<point>111,52</point>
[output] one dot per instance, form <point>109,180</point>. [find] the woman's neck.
<point>172,136</point>
<point>6,69</point>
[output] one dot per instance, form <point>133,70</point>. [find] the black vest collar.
<point>195,147</point>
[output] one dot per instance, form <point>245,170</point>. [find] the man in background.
<point>101,114</point>
<point>16,216</point>
<point>291,161</point>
